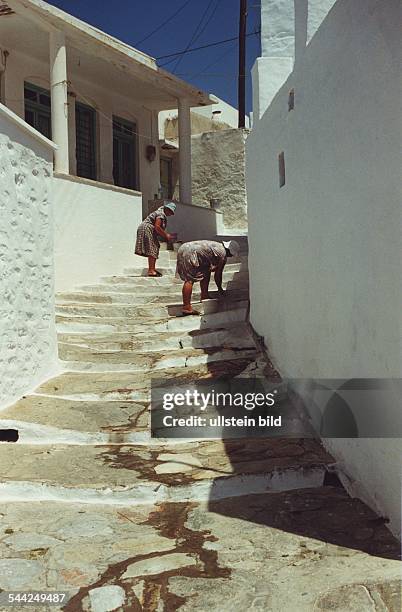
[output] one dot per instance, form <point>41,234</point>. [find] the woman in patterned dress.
<point>195,262</point>
<point>147,244</point>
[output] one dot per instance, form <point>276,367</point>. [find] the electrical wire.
<point>214,44</point>
<point>208,21</point>
<point>215,61</point>
<point>162,25</point>
<point>194,36</point>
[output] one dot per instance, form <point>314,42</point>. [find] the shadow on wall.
<point>195,223</point>
<point>301,27</point>
<point>322,510</point>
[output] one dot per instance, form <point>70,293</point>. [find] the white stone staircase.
<point>93,505</point>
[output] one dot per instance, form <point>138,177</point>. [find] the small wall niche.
<point>282,169</point>
<point>9,435</point>
<point>291,100</point>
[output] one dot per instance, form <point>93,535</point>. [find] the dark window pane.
<point>85,145</point>
<point>37,109</point>
<point>30,95</point>
<point>124,154</point>
<point>44,99</point>
<point>44,125</point>
<point>166,177</point>
<point>30,117</point>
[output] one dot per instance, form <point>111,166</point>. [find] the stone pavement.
<point>92,505</point>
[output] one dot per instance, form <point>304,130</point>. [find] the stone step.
<point>320,550</point>
<point>135,386</point>
<point>45,419</point>
<point>238,337</point>
<point>40,419</point>
<point>77,324</point>
<point>142,281</point>
<point>137,297</point>
<point>232,263</point>
<point>75,358</point>
<point>151,290</point>
<point>164,255</point>
<point>169,281</point>
<point>166,472</point>
<point>48,420</point>
<point>233,266</point>
<point>145,312</point>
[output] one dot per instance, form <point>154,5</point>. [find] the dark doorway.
<point>166,177</point>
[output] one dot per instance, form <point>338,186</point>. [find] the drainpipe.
<point>185,151</point>
<point>58,84</point>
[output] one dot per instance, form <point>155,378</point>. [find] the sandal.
<point>189,314</point>
<point>155,275</point>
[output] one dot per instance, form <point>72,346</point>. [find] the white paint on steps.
<point>148,493</point>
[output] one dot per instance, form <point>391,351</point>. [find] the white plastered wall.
<point>195,223</point>
<point>95,230</point>
<point>107,103</point>
<point>28,352</point>
<point>325,249</point>
<point>287,26</point>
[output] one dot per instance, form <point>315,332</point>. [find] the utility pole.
<point>242,63</point>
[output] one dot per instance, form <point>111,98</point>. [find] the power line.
<point>194,35</point>
<point>215,61</point>
<point>214,44</point>
<point>162,25</point>
<point>208,20</point>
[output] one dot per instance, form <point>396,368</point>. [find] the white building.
<point>96,97</point>
<point>79,159</point>
<point>287,26</point>
<point>98,100</point>
<point>323,182</point>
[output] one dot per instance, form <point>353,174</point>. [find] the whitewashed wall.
<point>325,249</point>
<point>106,102</point>
<point>95,230</point>
<point>287,27</point>
<point>195,223</point>
<point>28,352</point>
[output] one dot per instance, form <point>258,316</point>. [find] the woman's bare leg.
<point>187,292</point>
<point>151,265</point>
<point>204,287</point>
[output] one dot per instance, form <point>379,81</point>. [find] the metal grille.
<point>37,108</point>
<point>124,153</point>
<point>85,117</point>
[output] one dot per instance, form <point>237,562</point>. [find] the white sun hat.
<point>232,246</point>
<point>170,205</point>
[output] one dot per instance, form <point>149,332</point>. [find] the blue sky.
<point>213,70</point>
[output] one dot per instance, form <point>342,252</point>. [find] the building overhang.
<point>96,51</point>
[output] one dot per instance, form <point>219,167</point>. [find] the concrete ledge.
<point>84,181</point>
<point>213,210</point>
